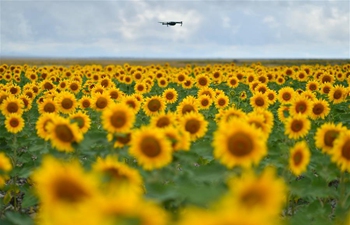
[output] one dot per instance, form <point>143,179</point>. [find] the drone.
<point>171,23</point>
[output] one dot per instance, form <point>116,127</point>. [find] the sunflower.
<point>114,173</point>
<point>82,119</point>
<point>202,80</point>
<point>140,88</point>
<point>257,119</point>
<point>319,109</point>
<point>232,82</point>
<point>227,114</point>
<point>204,102</point>
<point>341,151</point>
<point>180,140</point>
<point>206,91</point>
<point>74,86</point>
<point>337,94</point>
<point>48,106</point>
<point>163,82</point>
<point>236,143</point>
<point>11,105</point>
<point>326,88</point>
<point>14,89</point>
<point>253,193</point>
<point>297,126</point>
<point>154,105</point>
<point>312,85</point>
<point>326,134</point>
<point>286,95</point>
<point>14,123</point>
<point>5,167</point>
<point>271,96</point>
<point>66,193</point>
<point>300,105</point>
<point>63,134</point>
<point>27,102</point>
<point>259,100</point>
<point>299,158</point>
<point>132,102</point>
<point>187,105</point>
<point>66,102</point>
<point>221,101</point>
<point>121,139</point>
<point>151,148</point>
<point>100,101</point>
<point>84,102</point>
<point>170,95</point>
<point>41,123</point>
<point>118,118</point>
<point>195,124</point>
<point>163,120</point>
<point>47,85</point>
<point>115,93</point>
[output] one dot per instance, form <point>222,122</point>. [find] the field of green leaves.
<point>160,145</point>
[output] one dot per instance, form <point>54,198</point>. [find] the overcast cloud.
<point>211,29</point>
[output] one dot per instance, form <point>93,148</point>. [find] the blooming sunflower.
<point>232,82</point>
<point>188,104</point>
<point>48,106</point>
<point>319,109</point>
<point>5,167</point>
<point>297,126</point>
<point>253,193</point>
<point>227,114</point>
<point>221,101</point>
<point>271,96</point>
<point>151,148</point>
<point>114,173</point>
<point>100,101</point>
<point>204,102</point>
<point>326,134</point>
<point>300,105</point>
<point>11,105</point>
<point>341,151</point>
<point>118,118</point>
<point>163,120</point>
<point>299,158</point>
<point>236,143</point>
<point>170,95</point>
<point>41,124</point>
<point>337,94</point>
<point>154,105</point>
<point>140,88</point>
<point>63,134</point>
<point>66,102</point>
<point>257,119</point>
<point>74,86</point>
<point>115,93</point>
<point>84,102</point>
<point>312,85</point>
<point>259,100</point>
<point>132,102</point>
<point>202,80</point>
<point>14,123</point>
<point>206,91</point>
<point>286,95</point>
<point>180,140</point>
<point>195,124</point>
<point>66,193</point>
<point>82,119</point>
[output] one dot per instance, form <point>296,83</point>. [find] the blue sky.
<point>211,29</point>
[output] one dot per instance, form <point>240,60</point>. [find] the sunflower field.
<point>161,145</point>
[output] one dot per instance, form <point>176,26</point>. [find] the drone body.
<point>171,23</point>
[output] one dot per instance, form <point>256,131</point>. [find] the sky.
<point>211,29</point>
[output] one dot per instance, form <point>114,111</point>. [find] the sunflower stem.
<point>342,198</point>
<point>14,148</point>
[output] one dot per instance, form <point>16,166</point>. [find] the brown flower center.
<point>192,126</point>
<point>101,103</point>
<point>240,144</point>
<point>297,125</point>
<point>259,101</point>
<point>154,105</point>
<point>318,109</point>
<point>163,122</point>
<point>12,107</point>
<point>49,107</point>
<point>64,133</point>
<point>329,137</point>
<point>14,122</point>
<point>297,158</point>
<point>67,103</point>
<point>69,190</point>
<point>345,150</point>
<point>150,146</point>
<point>118,119</point>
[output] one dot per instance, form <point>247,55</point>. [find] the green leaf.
<point>16,218</point>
